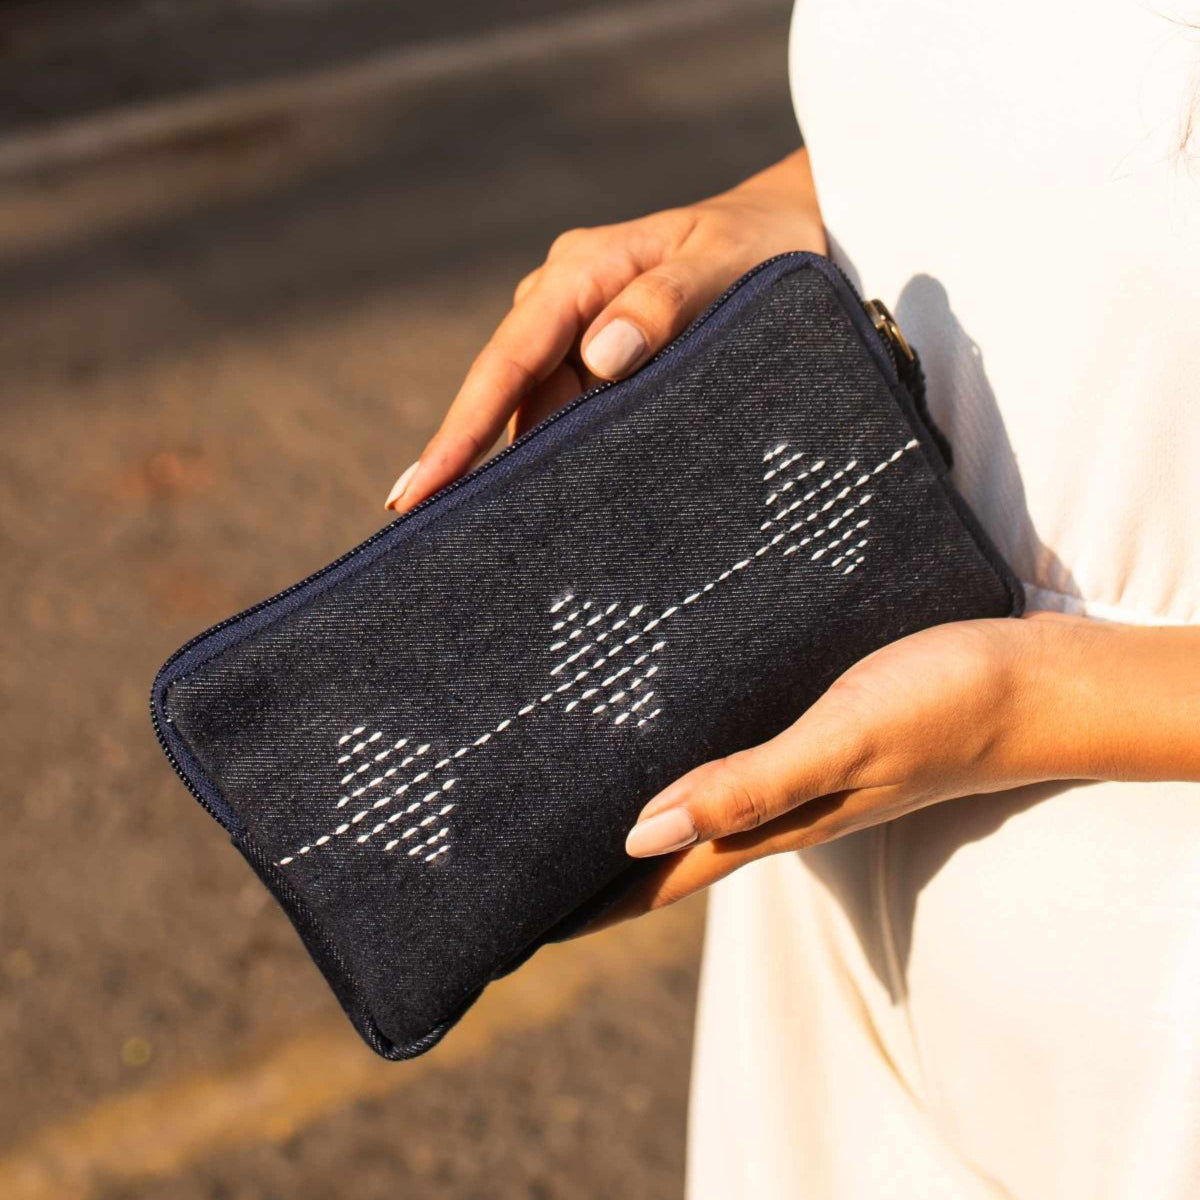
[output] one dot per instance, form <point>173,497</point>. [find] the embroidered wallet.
<point>431,750</point>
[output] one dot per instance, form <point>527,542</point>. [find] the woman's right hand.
<point>603,302</point>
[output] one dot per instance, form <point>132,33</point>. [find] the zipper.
<point>903,357</point>
<point>882,320</point>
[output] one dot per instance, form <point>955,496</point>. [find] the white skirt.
<point>997,996</point>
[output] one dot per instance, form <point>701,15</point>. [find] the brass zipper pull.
<point>885,323</point>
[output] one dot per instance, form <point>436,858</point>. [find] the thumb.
<point>650,311</point>
<point>743,791</point>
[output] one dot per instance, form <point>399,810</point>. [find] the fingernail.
<point>660,834</point>
<point>615,348</point>
<point>401,485</point>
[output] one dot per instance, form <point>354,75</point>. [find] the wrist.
<point>1109,701</point>
<point>787,187</point>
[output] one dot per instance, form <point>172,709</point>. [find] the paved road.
<point>217,349</point>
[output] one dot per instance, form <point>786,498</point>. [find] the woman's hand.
<point>603,302</point>
<point>958,709</point>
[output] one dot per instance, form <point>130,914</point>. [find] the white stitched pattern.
<point>381,802</point>
<point>833,544</point>
<point>796,502</point>
<point>630,681</point>
<point>849,553</point>
<point>359,746</point>
<point>597,637</point>
<point>813,544</point>
<point>787,486</point>
<point>633,708</point>
<point>380,778</point>
<point>782,465</point>
<point>833,522</point>
<point>851,556</point>
<point>827,527</point>
<point>567,620</point>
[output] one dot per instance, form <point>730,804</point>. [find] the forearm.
<point>1114,701</point>
<point>790,180</point>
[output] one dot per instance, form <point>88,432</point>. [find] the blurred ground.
<point>218,346</point>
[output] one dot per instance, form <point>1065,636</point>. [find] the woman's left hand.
<point>958,709</point>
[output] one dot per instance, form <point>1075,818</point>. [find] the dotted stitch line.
<point>841,558</point>
<point>581,630</point>
<point>357,749</point>
<point>388,774</point>
<point>791,483</point>
<point>526,709</point>
<point>483,739</point>
<point>631,686</point>
<point>819,533</point>
<point>828,482</point>
<point>588,693</point>
<point>597,638</point>
<point>639,703</point>
<point>782,466</point>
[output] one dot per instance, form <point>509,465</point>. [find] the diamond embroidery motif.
<point>604,660</point>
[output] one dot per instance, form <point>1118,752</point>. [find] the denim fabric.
<point>649,544</point>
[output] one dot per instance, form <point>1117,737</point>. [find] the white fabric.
<point>999,996</point>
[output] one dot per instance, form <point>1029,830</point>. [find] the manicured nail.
<point>616,348</point>
<point>401,486</point>
<point>661,833</point>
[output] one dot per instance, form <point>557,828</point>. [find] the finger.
<point>526,285</point>
<point>562,384</point>
<point>691,870</point>
<point>651,311</point>
<point>527,346</point>
<point>815,757</point>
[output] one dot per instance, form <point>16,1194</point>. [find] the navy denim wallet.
<point>431,750</point>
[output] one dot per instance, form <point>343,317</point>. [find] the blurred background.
<point>247,250</point>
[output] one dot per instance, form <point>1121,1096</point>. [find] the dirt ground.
<point>218,348</point>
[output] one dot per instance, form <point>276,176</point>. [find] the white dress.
<point>998,996</point>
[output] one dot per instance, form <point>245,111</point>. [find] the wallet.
<point>431,750</point>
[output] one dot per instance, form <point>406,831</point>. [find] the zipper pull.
<point>887,328</point>
<point>908,368</point>
<point>904,357</point>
